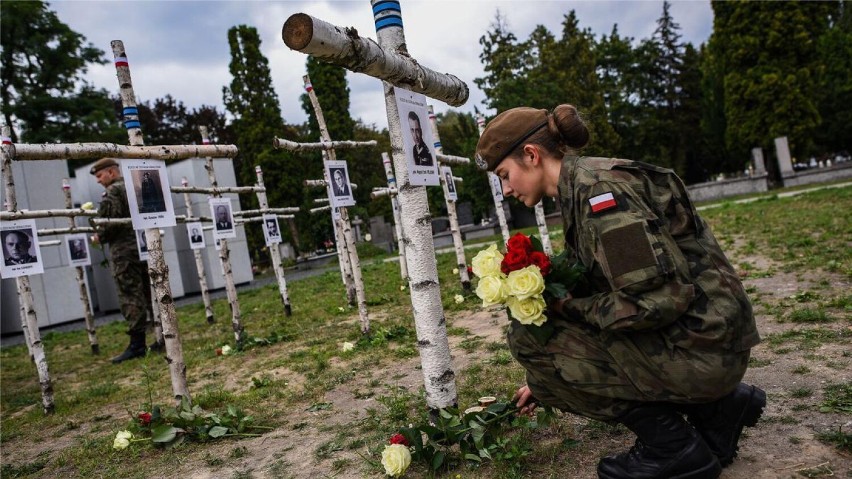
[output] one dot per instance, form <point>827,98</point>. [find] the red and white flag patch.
<point>602,202</point>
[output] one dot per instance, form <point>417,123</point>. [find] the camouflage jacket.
<point>652,262</point>
<point>120,237</point>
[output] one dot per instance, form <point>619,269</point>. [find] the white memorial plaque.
<point>341,190</point>
<point>270,230</point>
<point>148,194</point>
<point>416,138</point>
<point>195,234</point>
<point>223,218</point>
<point>452,195</point>
<point>496,186</point>
<point>21,254</point>
<point>77,247</point>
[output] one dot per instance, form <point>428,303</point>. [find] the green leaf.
<point>541,333</point>
<point>163,433</point>
<point>472,457</point>
<point>232,410</point>
<point>536,244</point>
<point>438,460</point>
<point>445,414</point>
<point>218,431</point>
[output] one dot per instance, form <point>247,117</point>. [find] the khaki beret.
<point>101,164</point>
<point>505,133</point>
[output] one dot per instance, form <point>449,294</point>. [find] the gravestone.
<point>759,165</point>
<point>465,212</point>
<point>782,150</point>
<point>381,233</point>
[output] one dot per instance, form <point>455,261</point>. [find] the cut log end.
<point>298,31</point>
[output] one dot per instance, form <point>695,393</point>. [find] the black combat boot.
<point>136,349</point>
<point>157,347</point>
<point>667,447</point>
<point>721,422</point>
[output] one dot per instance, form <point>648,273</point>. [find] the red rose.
<point>145,418</point>
<point>541,260</point>
<point>469,271</point>
<point>218,351</point>
<point>399,439</point>
<point>520,242</point>
<point>514,260</point>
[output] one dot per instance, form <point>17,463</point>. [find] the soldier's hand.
<point>556,306</point>
<point>525,401</point>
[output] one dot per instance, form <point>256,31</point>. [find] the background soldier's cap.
<point>505,133</point>
<point>101,164</point>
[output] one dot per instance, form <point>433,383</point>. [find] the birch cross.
<point>496,189</point>
<point>79,275</point>
<point>199,261</point>
<point>389,61</point>
<point>397,221</point>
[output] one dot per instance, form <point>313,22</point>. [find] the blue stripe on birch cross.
<point>131,117</point>
<point>387,14</point>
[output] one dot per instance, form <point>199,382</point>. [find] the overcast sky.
<point>181,47</point>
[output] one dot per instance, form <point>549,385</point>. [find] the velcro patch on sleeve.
<point>627,249</point>
<point>602,202</point>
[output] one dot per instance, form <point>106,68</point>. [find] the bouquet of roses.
<point>525,279</point>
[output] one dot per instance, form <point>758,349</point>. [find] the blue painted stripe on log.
<point>389,21</point>
<point>386,5</point>
<point>131,110</point>
<point>437,144</point>
<point>132,124</point>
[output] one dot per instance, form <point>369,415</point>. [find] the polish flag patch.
<point>602,202</point>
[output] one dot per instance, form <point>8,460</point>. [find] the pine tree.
<point>257,120</point>
<point>835,82</point>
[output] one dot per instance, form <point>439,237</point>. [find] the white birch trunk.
<point>344,228</point>
<point>199,264</point>
<point>397,220</point>
<point>79,274</point>
<point>498,204</point>
<point>65,231</point>
<point>156,315</point>
<point>157,269</point>
<point>217,191</point>
<point>343,47</point>
<point>461,262</point>
<point>34,214</point>
<point>274,252</point>
<point>31,331</point>
<point>267,211</point>
<point>288,145</point>
<point>542,229</point>
<point>86,151</point>
<point>451,159</point>
<point>430,323</point>
<point>224,254</point>
<point>24,328</point>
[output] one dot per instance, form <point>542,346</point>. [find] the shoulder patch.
<point>602,202</point>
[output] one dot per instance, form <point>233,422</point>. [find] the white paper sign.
<point>452,195</point>
<point>142,245</point>
<point>148,193</point>
<point>341,190</point>
<point>195,234</point>
<point>223,218</point>
<point>417,139</point>
<point>496,186</point>
<point>270,230</point>
<point>21,254</point>
<point>77,247</point>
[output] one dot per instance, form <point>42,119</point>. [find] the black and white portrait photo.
<point>195,233</point>
<point>78,249</point>
<point>341,190</point>
<point>21,255</point>
<point>270,230</point>
<point>148,194</point>
<point>223,218</point>
<point>142,245</point>
<point>417,138</point>
<point>451,185</point>
<point>496,186</point>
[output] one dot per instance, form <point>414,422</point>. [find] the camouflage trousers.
<point>602,375</point>
<point>134,291</point>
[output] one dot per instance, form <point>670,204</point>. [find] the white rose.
<point>459,299</point>
<point>87,206</point>
<point>487,262</point>
<point>455,271</point>
<point>347,346</point>
<point>396,458</point>
<point>525,282</point>
<point>491,290</point>
<point>226,350</point>
<point>528,311</point>
<point>122,440</point>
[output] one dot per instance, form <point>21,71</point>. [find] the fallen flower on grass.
<point>402,287</point>
<point>223,351</point>
<point>347,346</point>
<point>340,309</point>
<point>459,299</point>
<point>455,271</point>
<point>396,458</point>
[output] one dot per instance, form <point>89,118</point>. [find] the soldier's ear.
<point>532,155</point>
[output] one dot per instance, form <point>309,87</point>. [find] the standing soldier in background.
<point>129,272</point>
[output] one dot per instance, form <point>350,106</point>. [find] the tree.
<point>503,62</point>
<point>41,79</point>
<point>257,120</point>
<point>835,86</point>
<point>769,61</point>
<point>169,122</point>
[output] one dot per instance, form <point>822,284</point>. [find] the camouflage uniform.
<point>665,319</point>
<point>130,273</point>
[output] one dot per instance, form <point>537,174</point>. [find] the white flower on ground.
<point>402,287</point>
<point>459,299</point>
<point>455,271</point>
<point>122,440</point>
<point>347,346</point>
<point>396,458</point>
<point>226,350</point>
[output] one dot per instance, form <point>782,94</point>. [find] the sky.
<point>181,47</point>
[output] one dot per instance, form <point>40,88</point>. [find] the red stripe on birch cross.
<point>602,202</point>
<point>308,87</point>
<point>121,62</point>
<point>6,140</point>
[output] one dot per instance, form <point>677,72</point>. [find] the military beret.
<point>101,164</point>
<point>505,133</point>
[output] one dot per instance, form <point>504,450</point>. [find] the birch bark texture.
<point>80,276</point>
<point>157,268</point>
<point>498,204</point>
<point>397,215</point>
<point>343,47</point>
<point>461,262</point>
<point>542,229</point>
<point>224,253</point>
<point>345,228</point>
<point>25,293</point>
<point>438,374</point>
<point>274,251</point>
<point>199,262</point>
